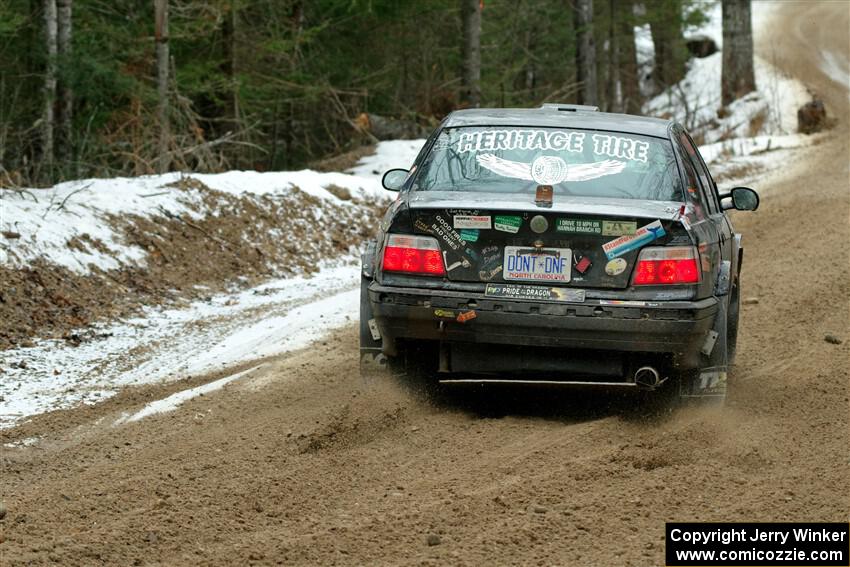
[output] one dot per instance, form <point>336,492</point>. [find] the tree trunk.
<point>228,29</point>
<point>471,79</point>
<point>671,54</point>
<point>50,40</point>
<point>632,101</point>
<point>64,148</point>
<point>230,66</point>
<point>615,91</point>
<point>161,36</point>
<point>585,52</point>
<point>737,76</point>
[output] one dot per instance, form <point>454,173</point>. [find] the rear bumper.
<point>678,328</point>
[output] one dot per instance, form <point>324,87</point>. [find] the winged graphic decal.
<point>549,170</point>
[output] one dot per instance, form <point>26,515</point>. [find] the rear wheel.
<point>415,366</point>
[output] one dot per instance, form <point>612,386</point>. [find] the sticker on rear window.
<point>549,170</point>
<point>620,147</point>
<point>494,140</point>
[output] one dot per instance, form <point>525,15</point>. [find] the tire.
<point>415,367</point>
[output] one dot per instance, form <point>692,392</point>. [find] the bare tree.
<point>162,65</point>
<point>471,77</point>
<point>49,121</point>
<point>64,149</point>
<point>585,52</point>
<point>737,76</point>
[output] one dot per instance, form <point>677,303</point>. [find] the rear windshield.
<point>588,163</point>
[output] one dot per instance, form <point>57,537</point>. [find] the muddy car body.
<point>557,245</point>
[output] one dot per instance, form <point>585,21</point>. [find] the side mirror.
<point>394,179</point>
<point>741,199</point>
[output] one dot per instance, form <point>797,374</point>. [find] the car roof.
<point>562,116</point>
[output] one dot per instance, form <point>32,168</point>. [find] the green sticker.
<point>507,224</point>
<point>618,228</point>
<point>579,226</point>
<point>469,234</point>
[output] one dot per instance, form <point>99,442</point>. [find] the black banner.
<point>747,544</point>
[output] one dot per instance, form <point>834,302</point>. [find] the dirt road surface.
<point>299,464</point>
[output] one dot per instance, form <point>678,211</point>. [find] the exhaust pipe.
<point>647,377</point>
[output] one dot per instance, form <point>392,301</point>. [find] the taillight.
<point>413,255</point>
<point>671,265</point>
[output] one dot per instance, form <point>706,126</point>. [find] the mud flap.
<point>709,382</point>
<point>373,362</point>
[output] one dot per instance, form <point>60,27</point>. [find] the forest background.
<point>98,88</point>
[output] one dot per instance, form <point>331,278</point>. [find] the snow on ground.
<point>753,134</point>
<point>837,67</point>
<point>47,219</point>
<point>390,155</point>
<point>177,399</point>
<point>695,101</point>
<point>169,344</point>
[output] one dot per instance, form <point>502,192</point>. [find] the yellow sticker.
<point>615,267</point>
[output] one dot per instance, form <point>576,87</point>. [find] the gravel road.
<point>300,463</point>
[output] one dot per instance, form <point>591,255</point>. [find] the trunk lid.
<point>577,242</point>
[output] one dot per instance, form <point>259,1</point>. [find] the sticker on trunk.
<point>472,221</point>
<point>538,293</point>
<point>618,228</point>
<point>537,264</point>
<point>507,224</point>
<point>615,267</point>
<point>624,244</point>
<point>579,226</point>
<point>466,316</point>
<point>591,226</point>
<point>469,234</point>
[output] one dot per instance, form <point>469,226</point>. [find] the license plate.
<point>523,263</point>
<point>539,293</point>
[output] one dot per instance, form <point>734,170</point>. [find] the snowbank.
<point>47,220</point>
<point>696,102</point>
<point>170,344</point>
<point>221,330</point>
